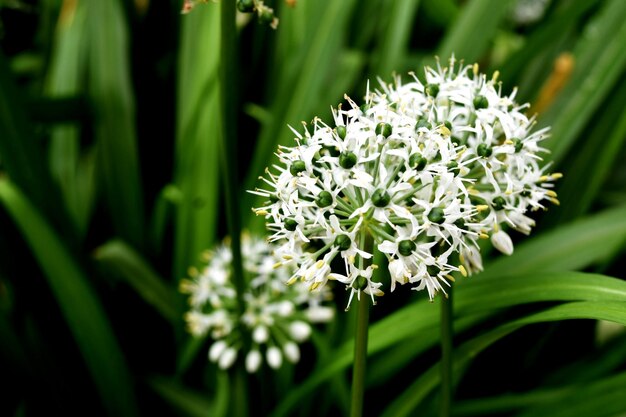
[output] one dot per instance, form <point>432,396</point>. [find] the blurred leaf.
<point>189,403</point>
<point>470,33</point>
<point>78,302</point>
<point>111,94</point>
<point>197,134</point>
<point>442,12</point>
<point>136,271</point>
<point>599,62</point>
<point>75,175</point>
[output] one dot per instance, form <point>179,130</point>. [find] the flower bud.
<point>253,361</point>
<point>502,242</point>
<point>274,357</point>
<point>380,198</point>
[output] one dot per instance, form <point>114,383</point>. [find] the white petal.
<point>274,357</point>
<point>502,242</point>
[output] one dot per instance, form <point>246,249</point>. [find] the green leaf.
<point>470,33</point>
<point>78,302</point>
<point>128,263</point>
<point>187,402</point>
<point>600,60</point>
<point>111,94</point>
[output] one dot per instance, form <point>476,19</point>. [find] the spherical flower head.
<point>276,317</point>
<point>422,169</point>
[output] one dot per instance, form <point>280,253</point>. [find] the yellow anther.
<point>462,258</point>
<point>315,286</point>
<point>374,266</point>
<point>473,191</point>
<point>277,265</point>
<point>508,142</point>
<point>483,236</point>
<point>192,271</point>
<point>444,130</point>
<point>555,201</point>
<point>319,264</point>
<point>495,76</point>
<point>551,193</point>
<point>556,175</point>
<point>449,278</point>
<point>496,227</point>
<point>351,259</point>
<point>544,178</point>
<point>482,207</point>
<point>261,213</point>
<point>463,270</point>
<point>287,257</point>
<point>475,68</point>
<point>292,280</point>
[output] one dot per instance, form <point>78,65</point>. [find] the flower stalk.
<point>447,385</point>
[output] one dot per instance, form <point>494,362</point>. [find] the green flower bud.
<point>341,131</point>
<point>347,160</point>
<point>324,199</point>
<point>266,16</point>
<point>380,198</point>
<point>245,6</point>
<point>436,215</point>
<point>498,203</point>
<point>481,102</point>
<point>297,167</point>
<point>518,144</point>
<point>291,224</point>
<point>417,162</point>
<point>383,129</point>
<point>483,150</point>
<point>406,247</point>
<point>343,242</point>
<point>431,90</point>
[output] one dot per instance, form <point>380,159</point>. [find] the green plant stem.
<point>360,338</point>
<point>446,354</point>
<point>228,84</point>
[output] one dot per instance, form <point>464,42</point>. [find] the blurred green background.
<point>110,189</point>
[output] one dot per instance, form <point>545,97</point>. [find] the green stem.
<point>360,338</point>
<point>228,84</point>
<point>446,354</point>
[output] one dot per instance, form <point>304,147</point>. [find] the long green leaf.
<point>406,403</point>
<point>120,257</point>
<point>111,94</point>
<point>78,302</point>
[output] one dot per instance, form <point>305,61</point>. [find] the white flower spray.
<point>425,170</point>
<point>277,317</point>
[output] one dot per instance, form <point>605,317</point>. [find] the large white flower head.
<point>276,318</point>
<point>424,170</point>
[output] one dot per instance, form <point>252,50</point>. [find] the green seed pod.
<point>343,242</point>
<point>518,144</point>
<point>347,160</point>
<point>380,198</point>
<point>365,107</point>
<point>431,90</point>
<point>406,247</point>
<point>448,125</point>
<point>291,224</point>
<point>297,167</point>
<point>436,215</point>
<point>383,129</point>
<point>360,283</point>
<point>341,131</point>
<point>498,203</point>
<point>245,6</point>
<point>481,102</point>
<point>453,166</point>
<point>483,150</point>
<point>417,162</point>
<point>421,122</point>
<point>324,199</point>
<point>266,16</point>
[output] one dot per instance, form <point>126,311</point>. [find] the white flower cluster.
<point>277,317</point>
<point>424,170</point>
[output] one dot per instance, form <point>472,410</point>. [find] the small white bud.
<point>216,350</point>
<point>274,357</point>
<point>260,334</point>
<point>227,358</point>
<point>319,314</point>
<point>253,361</point>
<point>502,241</point>
<point>292,352</point>
<point>300,331</point>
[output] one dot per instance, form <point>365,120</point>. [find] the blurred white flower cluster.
<point>276,318</point>
<point>423,169</point>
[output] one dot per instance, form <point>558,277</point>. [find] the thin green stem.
<point>360,338</point>
<point>446,355</point>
